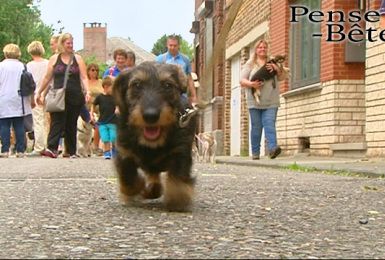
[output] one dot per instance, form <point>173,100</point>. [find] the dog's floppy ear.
<point>119,89</point>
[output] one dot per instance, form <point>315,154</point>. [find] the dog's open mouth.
<point>151,132</point>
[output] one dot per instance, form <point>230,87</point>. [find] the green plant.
<point>20,24</point>
<point>300,168</point>
<point>244,152</point>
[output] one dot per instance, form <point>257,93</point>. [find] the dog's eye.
<point>168,84</point>
<point>135,84</point>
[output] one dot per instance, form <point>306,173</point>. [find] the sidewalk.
<point>370,168</point>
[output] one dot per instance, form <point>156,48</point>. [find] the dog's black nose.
<point>151,115</point>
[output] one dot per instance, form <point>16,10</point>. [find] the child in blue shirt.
<point>107,120</point>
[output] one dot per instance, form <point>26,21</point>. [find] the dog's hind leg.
<point>130,182</point>
<point>206,151</point>
<point>178,192</point>
<point>213,151</point>
<point>153,188</point>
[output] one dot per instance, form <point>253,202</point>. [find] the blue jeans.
<point>263,119</point>
<point>5,133</point>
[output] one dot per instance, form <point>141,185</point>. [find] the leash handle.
<point>185,118</point>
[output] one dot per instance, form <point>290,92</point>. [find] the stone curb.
<point>354,168</point>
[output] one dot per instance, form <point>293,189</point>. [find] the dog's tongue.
<point>151,133</point>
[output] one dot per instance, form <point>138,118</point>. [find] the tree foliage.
<point>160,46</point>
<point>20,24</point>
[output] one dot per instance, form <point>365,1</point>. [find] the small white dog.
<point>207,146</point>
<point>84,138</point>
<point>195,151</point>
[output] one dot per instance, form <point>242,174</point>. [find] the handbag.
<point>55,98</point>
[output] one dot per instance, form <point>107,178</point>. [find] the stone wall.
<point>326,114</point>
<point>375,97</point>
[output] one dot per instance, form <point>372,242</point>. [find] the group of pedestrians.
<point>90,97</point>
<point>86,95</point>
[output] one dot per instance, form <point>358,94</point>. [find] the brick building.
<point>96,43</point>
<point>333,103</point>
<point>95,40</point>
<point>209,16</point>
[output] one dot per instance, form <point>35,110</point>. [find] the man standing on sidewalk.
<point>173,56</point>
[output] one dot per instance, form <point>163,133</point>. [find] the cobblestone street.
<point>68,208</point>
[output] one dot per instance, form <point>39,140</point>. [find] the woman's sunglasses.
<point>94,70</point>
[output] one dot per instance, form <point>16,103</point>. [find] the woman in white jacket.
<point>11,109</point>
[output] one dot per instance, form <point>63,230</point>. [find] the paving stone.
<point>58,208</point>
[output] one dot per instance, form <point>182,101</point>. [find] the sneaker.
<point>73,156</point>
<point>34,154</point>
<point>275,152</point>
<point>107,155</point>
<point>48,153</point>
<point>255,157</point>
<point>20,155</point>
<point>4,155</point>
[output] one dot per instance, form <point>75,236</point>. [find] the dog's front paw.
<point>129,193</point>
<point>129,200</point>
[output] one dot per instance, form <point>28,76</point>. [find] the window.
<point>304,48</point>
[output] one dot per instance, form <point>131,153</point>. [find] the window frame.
<point>304,48</point>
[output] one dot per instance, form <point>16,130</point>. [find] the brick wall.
<point>95,41</point>
<point>218,88</point>
<point>251,13</point>
<point>375,93</point>
<point>334,111</point>
<point>226,109</point>
<point>374,4</point>
<point>212,117</point>
<point>279,33</point>
<point>333,64</point>
<point>245,139</point>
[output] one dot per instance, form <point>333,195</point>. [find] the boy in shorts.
<point>107,120</point>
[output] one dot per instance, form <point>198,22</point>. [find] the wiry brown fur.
<point>149,137</point>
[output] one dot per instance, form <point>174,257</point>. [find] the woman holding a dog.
<point>77,84</point>
<point>263,114</point>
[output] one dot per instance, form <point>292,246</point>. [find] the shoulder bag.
<point>55,99</point>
